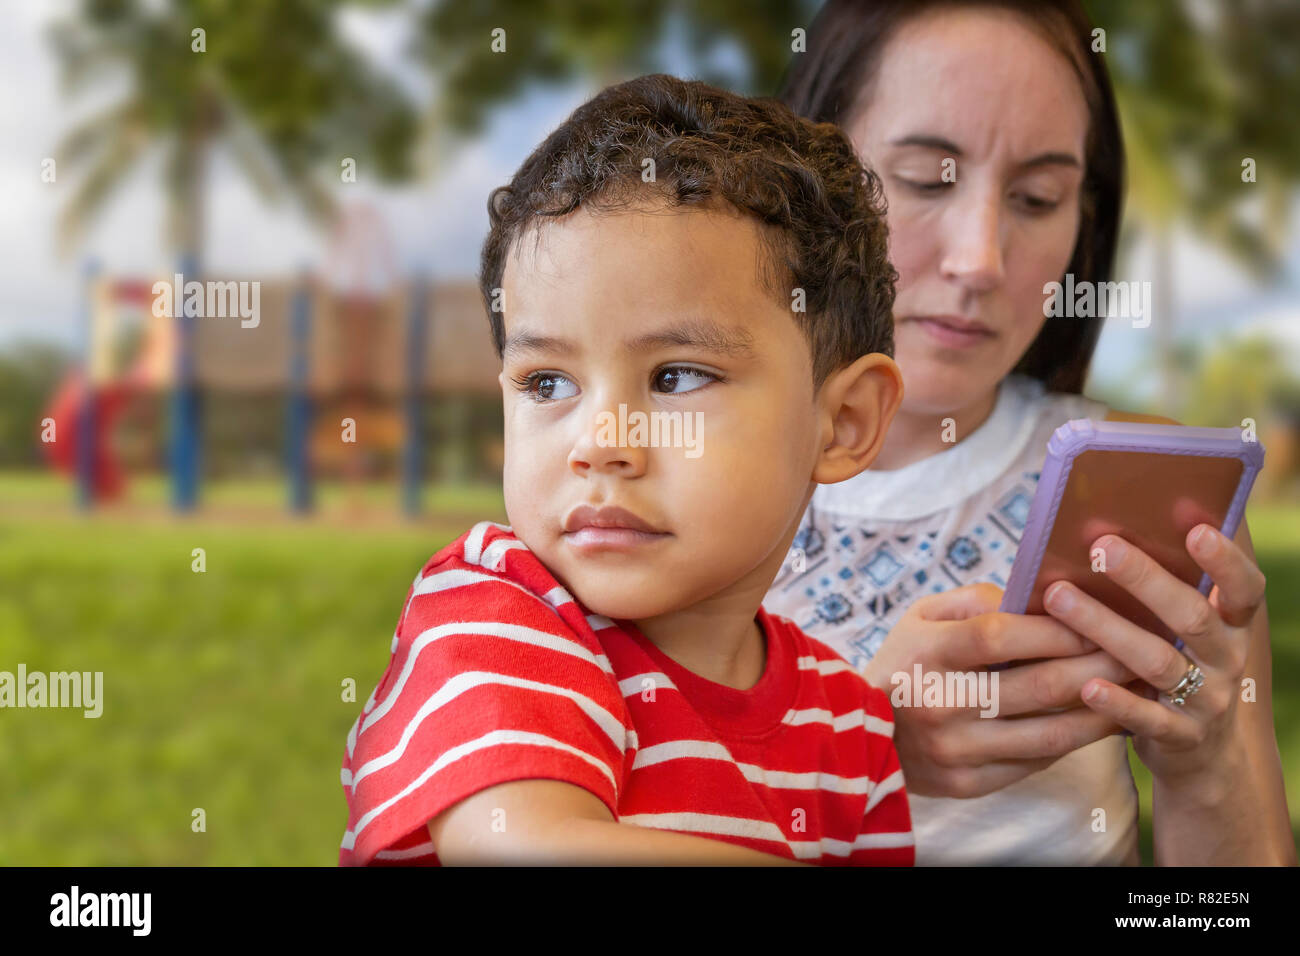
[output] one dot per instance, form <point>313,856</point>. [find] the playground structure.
<point>344,350</point>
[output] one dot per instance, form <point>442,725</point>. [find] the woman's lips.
<point>952,333</point>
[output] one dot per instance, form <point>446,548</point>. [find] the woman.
<point>993,128</point>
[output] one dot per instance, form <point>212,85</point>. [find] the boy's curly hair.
<point>823,211</point>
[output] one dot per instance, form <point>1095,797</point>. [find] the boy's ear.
<point>856,405</point>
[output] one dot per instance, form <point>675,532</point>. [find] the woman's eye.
<point>924,187</point>
<point>546,386</point>
<point>1035,203</point>
<point>676,379</point>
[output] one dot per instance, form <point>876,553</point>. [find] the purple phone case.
<point>1082,434</point>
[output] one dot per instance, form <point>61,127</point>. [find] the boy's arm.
<point>550,822</point>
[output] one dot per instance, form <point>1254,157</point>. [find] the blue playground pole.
<point>413,450</point>
<point>85,436</point>
<point>299,423</point>
<point>185,437</point>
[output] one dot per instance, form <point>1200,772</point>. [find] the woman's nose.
<point>973,246</point>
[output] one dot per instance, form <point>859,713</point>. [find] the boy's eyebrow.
<point>938,142</point>
<point>696,333</point>
<point>521,342</point>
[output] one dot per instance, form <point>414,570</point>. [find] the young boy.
<point>597,682</point>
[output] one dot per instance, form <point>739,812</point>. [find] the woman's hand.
<point>1193,746</point>
<point>1217,789</point>
<point>954,752</point>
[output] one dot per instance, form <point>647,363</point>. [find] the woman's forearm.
<point>1240,818</point>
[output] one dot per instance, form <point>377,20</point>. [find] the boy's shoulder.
<point>489,574</point>
<point>488,552</point>
<point>482,547</point>
<point>485,603</point>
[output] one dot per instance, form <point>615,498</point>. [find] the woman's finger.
<point>997,637</point>
<point>1183,609</point>
<point>969,782</point>
<point>1029,738</point>
<point>1144,717</point>
<point>1148,656</point>
<point>1042,685</point>
<point>1238,579</point>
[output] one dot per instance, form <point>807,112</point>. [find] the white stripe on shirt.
<point>776,779</point>
<point>634,686</point>
<point>474,540</point>
<point>828,846</point>
<point>841,722</point>
<point>468,680</point>
<point>891,784</point>
<point>492,739</point>
<point>825,666</point>
<point>514,632</point>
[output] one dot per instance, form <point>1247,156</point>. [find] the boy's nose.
<point>606,445</point>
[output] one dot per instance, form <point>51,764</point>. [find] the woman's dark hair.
<point>820,210</point>
<point>844,46</point>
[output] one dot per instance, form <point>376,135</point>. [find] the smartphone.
<point>1150,484</point>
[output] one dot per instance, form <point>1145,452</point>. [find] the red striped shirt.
<point>498,674</point>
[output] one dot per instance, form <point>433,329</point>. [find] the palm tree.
<point>555,41</point>
<point>275,86</point>
<point>1202,87</point>
<point>271,82</point>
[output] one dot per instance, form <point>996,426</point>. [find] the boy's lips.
<point>588,528</point>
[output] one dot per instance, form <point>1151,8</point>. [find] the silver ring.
<point>1189,685</point>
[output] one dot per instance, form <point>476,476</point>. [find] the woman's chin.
<point>931,388</point>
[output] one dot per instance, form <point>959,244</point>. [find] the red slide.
<point>66,408</point>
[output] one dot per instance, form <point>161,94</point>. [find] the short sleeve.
<point>886,838</point>
<point>487,684</point>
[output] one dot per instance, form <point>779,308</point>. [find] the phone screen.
<point>1150,500</point>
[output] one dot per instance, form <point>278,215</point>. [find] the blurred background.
<point>340,155</point>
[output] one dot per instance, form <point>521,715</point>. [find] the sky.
<point>437,226</point>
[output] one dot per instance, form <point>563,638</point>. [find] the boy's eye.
<point>676,379</point>
<point>545,386</point>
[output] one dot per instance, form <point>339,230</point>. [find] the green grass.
<point>223,689</point>
<point>271,494</point>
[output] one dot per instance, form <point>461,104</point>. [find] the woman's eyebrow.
<point>1052,159</point>
<point>928,141</point>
